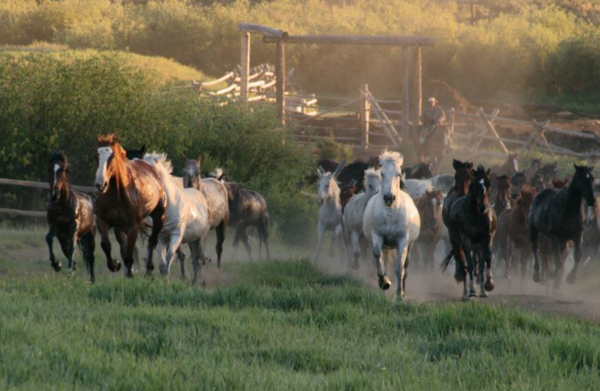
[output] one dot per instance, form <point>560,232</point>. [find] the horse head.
<point>583,182</point>
<point>432,207</point>
<point>347,192</point>
<point>58,167</point>
<point>372,183</point>
<point>110,159</point>
<point>136,153</point>
<point>191,172</point>
<point>480,188</point>
<point>391,176</point>
<point>328,186</point>
<point>503,191</point>
<point>523,203</point>
<point>463,175</point>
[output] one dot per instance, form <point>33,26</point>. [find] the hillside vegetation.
<point>542,47</point>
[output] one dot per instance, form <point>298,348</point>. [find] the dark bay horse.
<point>128,192</point>
<point>430,211</point>
<point>418,171</point>
<point>136,153</point>
<point>513,232</point>
<point>472,225</point>
<point>558,216</point>
<point>70,217</point>
<point>502,198</point>
<point>434,148</point>
<point>463,177</point>
<point>247,208</point>
<point>347,192</point>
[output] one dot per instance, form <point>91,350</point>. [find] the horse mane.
<point>58,157</point>
<point>160,161</point>
<point>391,156</point>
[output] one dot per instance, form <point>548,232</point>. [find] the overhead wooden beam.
<point>417,87</point>
<point>356,40</point>
<point>260,29</point>
<point>406,93</point>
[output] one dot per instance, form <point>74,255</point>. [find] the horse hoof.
<point>472,294</point>
<point>384,283</point>
<point>571,278</point>
<point>489,285</point>
<point>402,297</point>
<point>57,266</point>
<point>483,294</point>
<point>536,277</point>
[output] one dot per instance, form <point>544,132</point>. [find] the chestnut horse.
<point>129,191</point>
<point>513,232</point>
<point>70,217</point>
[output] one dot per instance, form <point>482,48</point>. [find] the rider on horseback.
<point>432,117</point>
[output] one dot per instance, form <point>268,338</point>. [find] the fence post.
<point>365,116</point>
<point>280,80</point>
<point>406,93</point>
<point>245,66</point>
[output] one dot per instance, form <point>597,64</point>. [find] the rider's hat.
<point>432,100</point>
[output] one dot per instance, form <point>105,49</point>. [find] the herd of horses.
<point>137,195</point>
<point>481,215</point>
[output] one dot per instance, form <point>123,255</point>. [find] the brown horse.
<point>463,177</point>
<point>129,192</point>
<point>347,192</point>
<point>434,147</point>
<point>70,217</point>
<point>430,211</point>
<point>502,198</point>
<point>513,232</point>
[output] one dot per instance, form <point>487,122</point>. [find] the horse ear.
<point>199,161</point>
<point>489,171</point>
<point>185,158</point>
<point>576,166</point>
<point>338,169</point>
<point>143,149</point>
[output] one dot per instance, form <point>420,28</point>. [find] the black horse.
<point>472,225</point>
<point>418,171</point>
<point>558,216</point>
<point>70,217</point>
<point>136,153</point>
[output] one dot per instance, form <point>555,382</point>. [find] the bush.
<point>49,103</point>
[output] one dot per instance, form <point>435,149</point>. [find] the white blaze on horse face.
<point>390,178</point>
<point>434,203</point>
<point>516,164</point>
<point>482,183</point>
<point>104,153</point>
<point>56,168</point>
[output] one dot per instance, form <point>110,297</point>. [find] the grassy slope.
<point>160,70</point>
<point>283,326</point>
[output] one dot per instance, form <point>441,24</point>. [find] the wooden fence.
<point>37,185</point>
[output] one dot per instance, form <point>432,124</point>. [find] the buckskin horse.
<point>128,192</point>
<point>558,216</point>
<point>70,217</point>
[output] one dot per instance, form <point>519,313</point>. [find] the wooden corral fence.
<point>37,185</point>
<point>472,129</point>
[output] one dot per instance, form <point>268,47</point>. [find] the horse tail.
<point>446,262</point>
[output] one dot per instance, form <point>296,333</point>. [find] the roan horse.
<point>430,210</point>
<point>558,216</point>
<point>472,225</point>
<point>330,211</point>
<point>215,194</point>
<point>247,208</point>
<point>129,191</point>
<point>186,219</point>
<point>355,210</point>
<point>391,221</point>
<point>70,217</point>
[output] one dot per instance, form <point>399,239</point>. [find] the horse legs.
<point>557,273</point>
<point>220,239</point>
<point>355,242</point>
<point>533,235</point>
<point>112,264</point>
<point>525,251</point>
<point>173,244</point>
<point>57,266</point>
<point>181,257</point>
<point>573,274</point>
<point>196,250</point>
<point>263,234</point>
<point>485,265</point>
<point>130,239</point>
<point>158,220</point>
<point>384,282</point>
<point>401,268</point>
<point>321,230</point>
<point>245,241</point>
<point>87,244</point>
<point>470,266</point>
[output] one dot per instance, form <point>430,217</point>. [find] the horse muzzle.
<point>101,187</point>
<point>388,199</point>
<point>319,201</point>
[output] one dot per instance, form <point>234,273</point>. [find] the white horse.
<point>391,221</point>
<point>186,218</point>
<point>417,187</point>
<point>330,213</point>
<point>355,210</point>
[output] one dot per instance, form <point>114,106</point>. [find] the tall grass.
<point>285,326</point>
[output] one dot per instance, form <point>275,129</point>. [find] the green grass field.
<point>268,326</point>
